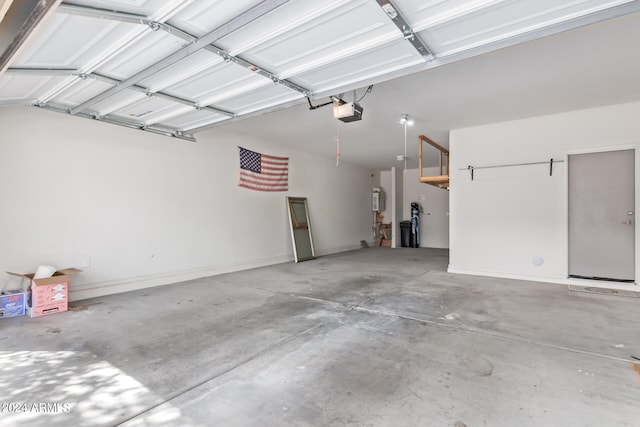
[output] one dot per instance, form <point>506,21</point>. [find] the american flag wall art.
<point>262,172</point>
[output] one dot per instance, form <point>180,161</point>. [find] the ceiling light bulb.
<point>405,120</point>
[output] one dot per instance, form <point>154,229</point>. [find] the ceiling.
<point>582,68</point>
<point>180,67</point>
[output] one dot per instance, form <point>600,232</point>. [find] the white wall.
<point>149,210</point>
<point>397,189</point>
<point>385,184</point>
<point>507,216</point>
<point>434,221</point>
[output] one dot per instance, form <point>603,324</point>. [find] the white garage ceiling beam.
<point>20,19</point>
<point>584,17</point>
<point>621,8</point>
<point>106,117</point>
<point>51,72</point>
<point>394,14</point>
<point>125,123</point>
<point>162,95</point>
<point>195,46</point>
<point>93,12</point>
<point>171,29</point>
<point>168,9</point>
<point>73,72</point>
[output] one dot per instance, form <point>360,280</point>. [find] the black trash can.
<point>405,233</point>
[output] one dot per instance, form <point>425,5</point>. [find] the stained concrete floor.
<point>374,337</point>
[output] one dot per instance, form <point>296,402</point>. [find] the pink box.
<point>49,295</point>
<point>50,298</point>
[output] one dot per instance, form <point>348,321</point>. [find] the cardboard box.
<point>13,303</point>
<point>49,295</point>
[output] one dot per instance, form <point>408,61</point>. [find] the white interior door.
<point>602,216</point>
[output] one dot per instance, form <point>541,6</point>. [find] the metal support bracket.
<point>394,14</point>
<point>120,122</point>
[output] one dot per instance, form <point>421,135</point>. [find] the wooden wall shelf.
<point>442,180</point>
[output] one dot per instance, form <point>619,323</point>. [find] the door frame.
<point>592,150</point>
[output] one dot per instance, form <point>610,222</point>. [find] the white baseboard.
<point>338,249</point>
<point>543,279</point>
<point>92,290</point>
<point>503,275</point>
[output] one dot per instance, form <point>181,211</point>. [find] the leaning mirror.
<point>300,228</point>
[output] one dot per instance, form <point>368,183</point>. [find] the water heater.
<point>377,200</point>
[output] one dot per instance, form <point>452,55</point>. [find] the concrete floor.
<point>374,337</point>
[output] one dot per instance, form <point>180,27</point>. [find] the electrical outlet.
<point>86,262</point>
